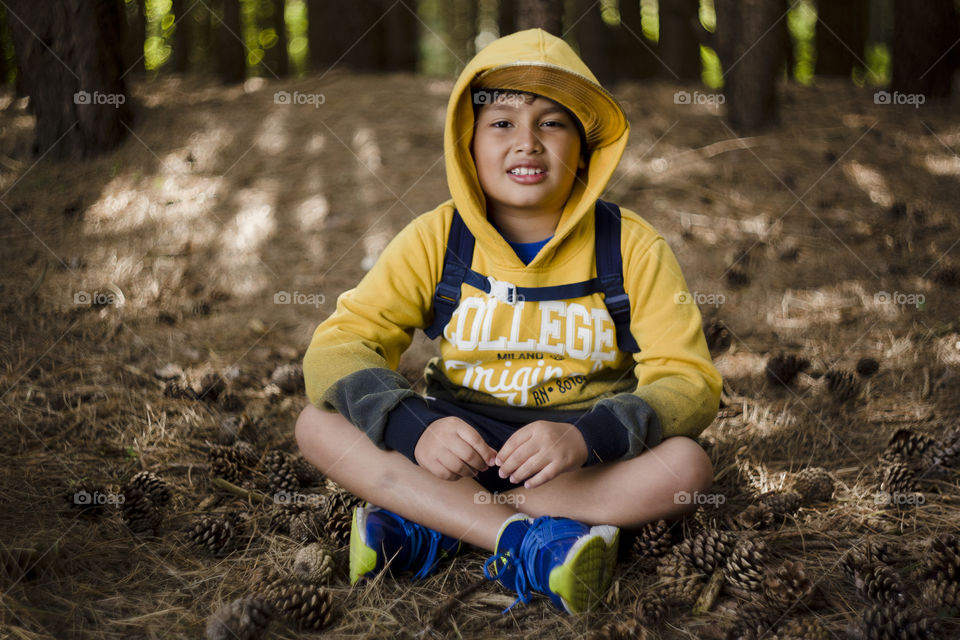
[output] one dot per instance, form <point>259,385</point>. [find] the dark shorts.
<point>495,432</point>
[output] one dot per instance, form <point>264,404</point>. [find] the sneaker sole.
<point>587,571</point>
<point>363,559</point>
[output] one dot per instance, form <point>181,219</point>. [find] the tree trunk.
<point>344,33</point>
<point>319,18</point>
<point>70,52</point>
<point>595,38</point>
<point>279,59</point>
<point>231,50</point>
<point>134,34</point>
<point>634,53</point>
<point>750,39</point>
<point>4,67</point>
<point>506,17</point>
<point>841,36</point>
<point>401,37</point>
<point>680,38</point>
<point>545,14</point>
<point>925,50</point>
<point>180,56</point>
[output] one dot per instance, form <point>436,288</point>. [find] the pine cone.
<point>289,378</point>
<point>708,549</point>
<point>866,367</point>
<point>280,472</point>
<point>717,335</point>
<point>842,385</point>
<point>942,560</point>
<point>282,515</point>
<point>880,584</point>
<point>755,516</point>
<point>651,607</point>
<point>308,607</point>
<point>782,369</point>
<point>624,630</point>
<point>307,474</point>
<point>306,526</point>
<point>781,503</point>
<point>226,462</point>
<point>909,443</point>
<point>231,402</point>
<point>243,619</point>
<point>814,484</point>
<point>948,449</point>
<point>753,621</point>
<point>745,567</point>
<point>682,581</point>
<point>267,582</point>
<point>248,454</point>
<point>871,554</point>
<point>886,622</point>
<point>942,597</point>
<point>313,563</point>
<point>153,486</point>
<point>213,533</point>
<point>653,541</point>
<point>178,389</point>
<point>338,525</point>
<point>210,386</point>
<point>139,512</point>
<point>788,584</point>
<point>897,479</point>
<point>805,628</point>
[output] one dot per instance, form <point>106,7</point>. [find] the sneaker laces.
<point>420,539</point>
<point>543,531</point>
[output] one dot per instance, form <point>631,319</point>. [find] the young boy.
<point>572,377</point>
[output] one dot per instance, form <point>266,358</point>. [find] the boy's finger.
<point>517,459</point>
<point>545,475</point>
<point>530,467</point>
<point>518,438</point>
<point>479,446</point>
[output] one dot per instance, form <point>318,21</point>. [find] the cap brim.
<point>602,118</point>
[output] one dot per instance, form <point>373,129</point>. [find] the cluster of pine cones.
<point>140,502</point>
<point>217,388</point>
<point>910,457</point>
<point>842,385</point>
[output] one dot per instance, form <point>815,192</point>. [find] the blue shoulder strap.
<point>609,280</point>
<point>610,272</point>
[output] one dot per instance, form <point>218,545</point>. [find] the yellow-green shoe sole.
<point>363,559</point>
<point>586,574</point>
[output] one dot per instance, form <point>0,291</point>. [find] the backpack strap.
<point>456,263</point>
<point>610,273</point>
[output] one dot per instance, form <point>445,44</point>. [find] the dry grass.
<point>226,199</point>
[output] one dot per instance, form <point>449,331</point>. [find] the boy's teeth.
<point>524,171</point>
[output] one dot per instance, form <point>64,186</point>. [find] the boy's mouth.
<point>526,174</point>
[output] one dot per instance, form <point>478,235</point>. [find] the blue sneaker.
<point>567,560</point>
<point>377,535</point>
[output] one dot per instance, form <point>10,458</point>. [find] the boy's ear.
<point>582,163</point>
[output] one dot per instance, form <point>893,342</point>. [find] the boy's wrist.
<point>406,422</point>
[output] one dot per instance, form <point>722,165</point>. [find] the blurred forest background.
<point>186,186</point>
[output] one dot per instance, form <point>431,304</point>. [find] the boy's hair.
<point>481,97</point>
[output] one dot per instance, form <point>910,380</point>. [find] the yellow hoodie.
<point>534,359</point>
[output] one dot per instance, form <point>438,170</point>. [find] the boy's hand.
<point>451,449</point>
<point>541,451</point>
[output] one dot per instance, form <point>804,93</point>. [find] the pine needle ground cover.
<point>157,301</point>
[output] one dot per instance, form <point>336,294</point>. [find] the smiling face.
<point>527,152</point>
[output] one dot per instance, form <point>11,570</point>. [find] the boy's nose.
<point>527,140</point>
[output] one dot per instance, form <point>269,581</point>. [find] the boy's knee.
<point>307,431</point>
<point>694,465</point>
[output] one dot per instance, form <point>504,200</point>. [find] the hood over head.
<point>537,62</point>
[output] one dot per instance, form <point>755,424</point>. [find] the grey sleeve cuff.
<point>638,419</point>
<point>366,397</point>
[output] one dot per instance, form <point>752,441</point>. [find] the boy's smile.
<point>527,153</point>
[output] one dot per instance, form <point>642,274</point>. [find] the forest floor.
<point>832,237</point>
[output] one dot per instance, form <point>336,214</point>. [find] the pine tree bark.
<point>180,56</point>
<point>279,59</point>
<point>545,14</point>
<point>232,60</point>
<point>595,38</point>
<point>925,49</point>
<point>70,54</point>
<point>134,34</point>
<point>401,36</point>
<point>751,39</point>
<point>841,36</point>
<point>634,53</point>
<point>506,17</point>
<point>679,45</point>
